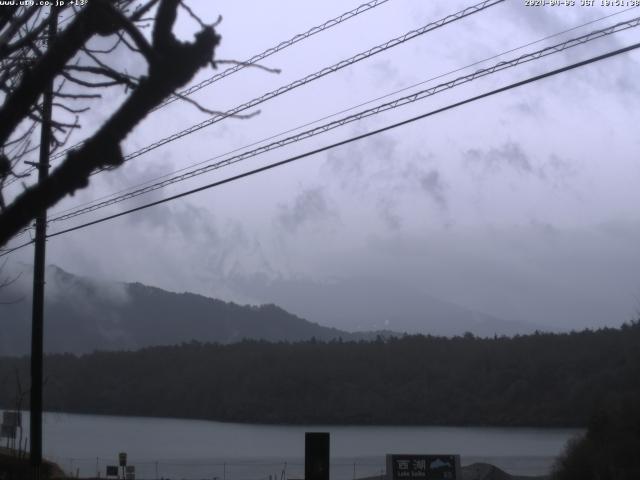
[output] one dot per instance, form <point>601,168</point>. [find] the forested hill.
<point>84,314</point>
<point>536,380</point>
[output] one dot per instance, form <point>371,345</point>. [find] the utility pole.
<point>37,323</point>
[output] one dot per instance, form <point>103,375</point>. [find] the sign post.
<point>11,422</point>
<point>12,418</point>
<point>122,460</point>
<point>316,456</point>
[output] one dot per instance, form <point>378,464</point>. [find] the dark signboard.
<point>12,419</point>
<point>122,459</point>
<point>8,431</point>
<point>423,467</point>
<point>316,456</point>
<point>112,471</point>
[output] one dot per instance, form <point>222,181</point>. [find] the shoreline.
<point>12,465</point>
<point>577,428</point>
<point>203,448</point>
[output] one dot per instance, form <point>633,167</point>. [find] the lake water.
<point>197,449</point>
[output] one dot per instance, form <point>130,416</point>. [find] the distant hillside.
<point>535,380</point>
<point>83,315</point>
<point>365,304</point>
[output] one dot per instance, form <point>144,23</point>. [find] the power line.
<point>421,95</point>
<point>253,60</point>
<point>310,78</point>
<point>442,75</point>
<point>356,138</point>
<point>344,63</point>
<point>9,251</point>
<point>343,142</point>
<point>270,51</point>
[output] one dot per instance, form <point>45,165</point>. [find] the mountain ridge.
<point>84,314</point>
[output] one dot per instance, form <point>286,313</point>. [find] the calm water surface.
<point>177,448</point>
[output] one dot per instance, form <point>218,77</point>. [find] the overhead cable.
<point>270,51</point>
<point>309,78</point>
<point>356,138</point>
<point>406,100</point>
<point>252,61</point>
<point>342,142</point>
<point>345,110</point>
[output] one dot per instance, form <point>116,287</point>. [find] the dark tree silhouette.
<point>81,72</point>
<point>543,379</point>
<point>608,450</point>
<point>5,281</point>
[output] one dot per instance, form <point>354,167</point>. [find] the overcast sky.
<point>523,205</point>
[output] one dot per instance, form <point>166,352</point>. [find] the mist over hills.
<point>366,304</point>
<point>85,314</point>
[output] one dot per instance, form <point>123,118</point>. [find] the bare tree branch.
<point>171,64</point>
<point>5,282</point>
<point>47,67</point>
<point>248,64</point>
<point>214,112</point>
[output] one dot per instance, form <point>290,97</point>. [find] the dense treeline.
<point>538,380</point>
<point>609,448</point>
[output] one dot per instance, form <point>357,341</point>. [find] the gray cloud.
<point>431,182</point>
<point>557,170</point>
<point>379,169</point>
<point>388,212</point>
<point>627,86</point>
<point>531,107</point>
<point>309,206</point>
<point>61,286</point>
<point>429,179</point>
<point>384,74</point>
<point>370,168</point>
<point>136,172</point>
<point>551,169</point>
<point>186,220</point>
<point>509,154</point>
<point>346,164</point>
